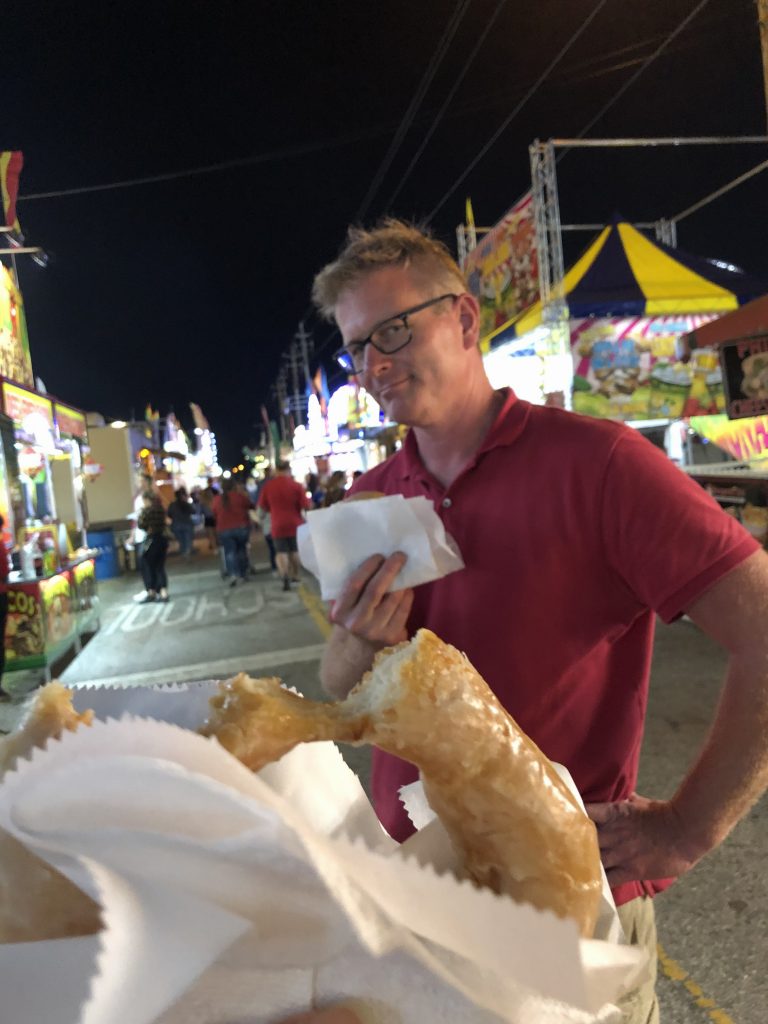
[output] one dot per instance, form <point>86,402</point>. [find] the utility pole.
<point>762,21</point>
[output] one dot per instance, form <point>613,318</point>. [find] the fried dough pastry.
<point>514,823</point>
<point>52,713</point>
<point>258,721</point>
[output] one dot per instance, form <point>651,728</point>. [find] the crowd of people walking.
<point>223,517</point>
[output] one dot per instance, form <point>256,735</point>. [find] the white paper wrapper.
<point>335,541</point>
<point>229,896</point>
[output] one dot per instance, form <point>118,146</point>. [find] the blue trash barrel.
<point>107,564</point>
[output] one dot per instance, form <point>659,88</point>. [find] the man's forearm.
<point>345,661</point>
<point>731,772</point>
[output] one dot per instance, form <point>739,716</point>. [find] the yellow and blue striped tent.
<point>624,273</point>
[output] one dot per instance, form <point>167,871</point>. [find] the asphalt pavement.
<point>713,940</point>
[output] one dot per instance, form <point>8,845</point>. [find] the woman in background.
<point>154,550</point>
<point>233,527</point>
<point>180,513</point>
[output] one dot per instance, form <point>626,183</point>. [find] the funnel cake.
<point>515,825</point>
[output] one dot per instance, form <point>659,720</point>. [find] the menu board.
<point>744,366</point>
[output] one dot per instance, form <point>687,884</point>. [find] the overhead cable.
<point>643,67</point>
<point>510,117</point>
<point>416,100</point>
<point>447,102</point>
<point>224,165</point>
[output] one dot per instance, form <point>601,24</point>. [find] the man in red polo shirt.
<point>575,533</point>
<point>286,501</point>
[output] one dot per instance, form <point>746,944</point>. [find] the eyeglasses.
<point>387,337</point>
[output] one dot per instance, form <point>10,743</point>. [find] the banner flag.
<point>199,419</point>
<point>470,215</point>
<point>11,162</point>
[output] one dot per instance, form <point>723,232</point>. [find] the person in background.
<point>314,490</point>
<point>207,496</point>
<point>336,489</point>
<point>233,527</point>
<point>180,513</point>
<point>286,501</point>
<point>5,567</point>
<point>575,533</point>
<point>154,550</point>
<point>265,521</point>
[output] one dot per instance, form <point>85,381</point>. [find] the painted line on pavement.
<point>221,669</point>
<point>316,608</point>
<point>675,972</point>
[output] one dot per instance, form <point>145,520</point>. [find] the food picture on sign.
<point>626,368</point>
<point>745,375</point>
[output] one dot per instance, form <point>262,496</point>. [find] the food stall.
<point>52,600</point>
<point>351,433</point>
<point>739,480</point>
<point>628,300</point>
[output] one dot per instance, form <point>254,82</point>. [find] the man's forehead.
<point>377,295</point>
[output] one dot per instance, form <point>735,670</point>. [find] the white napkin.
<point>231,896</point>
<point>335,541</point>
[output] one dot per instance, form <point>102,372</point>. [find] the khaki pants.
<point>638,920</point>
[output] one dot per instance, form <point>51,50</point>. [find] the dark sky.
<point>189,290</point>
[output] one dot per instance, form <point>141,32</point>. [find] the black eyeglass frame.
<point>343,353</point>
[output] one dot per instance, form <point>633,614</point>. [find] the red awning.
<point>740,323</point>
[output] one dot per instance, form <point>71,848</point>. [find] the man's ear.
<point>469,318</point>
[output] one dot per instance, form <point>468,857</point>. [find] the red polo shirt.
<point>575,532</point>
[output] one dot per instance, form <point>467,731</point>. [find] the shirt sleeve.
<point>663,534</point>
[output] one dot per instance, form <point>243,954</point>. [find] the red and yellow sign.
<point>71,422</point>
<point>24,632</point>
<point>19,403</point>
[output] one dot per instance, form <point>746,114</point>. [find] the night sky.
<point>190,289</point>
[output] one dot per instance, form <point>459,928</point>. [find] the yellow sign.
<point>15,361</point>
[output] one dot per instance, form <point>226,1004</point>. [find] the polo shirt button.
<point>447,502</point>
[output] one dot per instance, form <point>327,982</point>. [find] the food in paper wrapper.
<point>52,713</point>
<point>514,823</point>
<point>36,901</point>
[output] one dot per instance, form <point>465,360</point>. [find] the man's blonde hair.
<point>392,243</point>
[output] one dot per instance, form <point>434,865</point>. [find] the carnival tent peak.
<point>624,273</point>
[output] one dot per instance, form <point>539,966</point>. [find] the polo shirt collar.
<point>506,428</point>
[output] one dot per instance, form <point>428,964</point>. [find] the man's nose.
<point>375,361</point>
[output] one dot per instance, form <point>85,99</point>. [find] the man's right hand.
<point>366,609</point>
<point>366,618</point>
